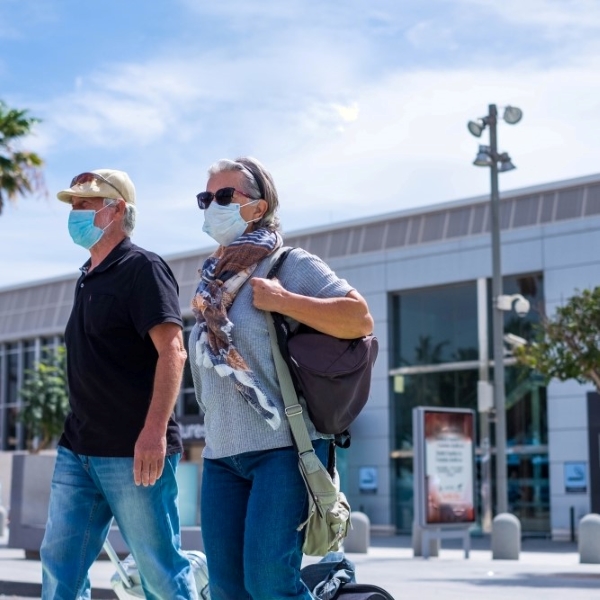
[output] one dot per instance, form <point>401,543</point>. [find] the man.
<point>121,445</point>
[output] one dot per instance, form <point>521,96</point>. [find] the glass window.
<point>527,438</point>
<point>355,240</point>
<point>12,364</point>
<point>10,436</point>
<point>529,490</point>
<point>526,211</point>
<point>592,206</point>
<point>47,342</point>
<point>318,244</point>
<point>439,325</point>
<point>433,229</point>
<point>28,355</point>
<point>480,219</point>
<point>397,233</point>
<point>374,236</point>
<point>569,204</point>
<point>455,389</point>
<point>458,222</point>
<point>436,325</point>
<point>415,229</point>
<point>526,408</point>
<point>506,208</point>
<point>547,207</point>
<point>339,242</point>
<point>451,389</point>
<point>188,405</point>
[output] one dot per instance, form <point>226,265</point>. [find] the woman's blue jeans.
<point>252,504</point>
<point>86,492</point>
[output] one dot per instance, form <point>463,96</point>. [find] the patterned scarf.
<point>221,277</point>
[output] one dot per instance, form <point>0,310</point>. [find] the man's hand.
<point>151,445</point>
<point>149,457</point>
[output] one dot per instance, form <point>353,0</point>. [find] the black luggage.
<point>333,578</point>
<point>361,591</point>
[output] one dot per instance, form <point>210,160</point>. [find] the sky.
<point>357,107</point>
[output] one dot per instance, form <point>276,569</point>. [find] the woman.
<point>253,497</point>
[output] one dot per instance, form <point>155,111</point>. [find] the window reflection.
<point>436,325</point>
<point>188,405</point>
<point>439,325</point>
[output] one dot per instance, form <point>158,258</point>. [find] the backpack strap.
<point>293,408</point>
<point>279,256</point>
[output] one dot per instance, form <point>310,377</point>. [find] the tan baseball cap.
<point>100,183</point>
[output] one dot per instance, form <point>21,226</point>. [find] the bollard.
<point>506,537</point>
<point>359,536</point>
<point>2,521</point>
<point>589,539</point>
<point>417,542</point>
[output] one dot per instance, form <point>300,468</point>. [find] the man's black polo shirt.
<point>111,359</point>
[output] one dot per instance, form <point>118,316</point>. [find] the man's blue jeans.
<point>86,492</point>
<point>252,504</point>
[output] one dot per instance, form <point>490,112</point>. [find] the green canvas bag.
<point>328,519</point>
<point>328,510</point>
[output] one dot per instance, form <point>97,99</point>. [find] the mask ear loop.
<point>251,202</point>
<point>112,221</point>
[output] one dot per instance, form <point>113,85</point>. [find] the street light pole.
<point>498,320</point>
<point>488,156</point>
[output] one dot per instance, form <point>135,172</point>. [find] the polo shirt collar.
<point>114,256</point>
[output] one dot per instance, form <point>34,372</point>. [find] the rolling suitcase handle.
<point>127,582</point>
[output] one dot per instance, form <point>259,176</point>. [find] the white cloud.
<point>351,120</point>
<point>556,15</point>
<point>348,113</point>
<point>430,36</point>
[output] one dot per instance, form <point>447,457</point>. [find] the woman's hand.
<point>269,294</point>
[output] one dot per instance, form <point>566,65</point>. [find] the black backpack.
<point>333,375</point>
<point>332,578</point>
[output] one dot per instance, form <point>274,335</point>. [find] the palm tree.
<point>20,171</point>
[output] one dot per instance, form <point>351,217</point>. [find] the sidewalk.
<point>549,566</point>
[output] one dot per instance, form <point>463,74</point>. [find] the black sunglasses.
<point>223,197</point>
<point>87,177</point>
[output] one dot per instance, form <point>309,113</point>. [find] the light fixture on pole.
<point>483,157</point>
<point>488,156</point>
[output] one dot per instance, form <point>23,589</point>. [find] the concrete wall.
<point>568,255</point>
<point>571,261</point>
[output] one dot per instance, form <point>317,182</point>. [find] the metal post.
<point>498,321</point>
<point>484,417</point>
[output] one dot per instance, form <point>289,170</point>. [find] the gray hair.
<point>129,219</point>
<point>257,182</point>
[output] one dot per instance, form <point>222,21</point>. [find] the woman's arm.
<point>346,317</point>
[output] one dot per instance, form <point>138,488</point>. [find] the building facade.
<point>426,275</point>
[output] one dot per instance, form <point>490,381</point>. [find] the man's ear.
<point>121,206</point>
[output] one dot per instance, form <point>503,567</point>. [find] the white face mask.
<point>225,224</point>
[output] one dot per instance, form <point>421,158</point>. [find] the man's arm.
<point>151,445</point>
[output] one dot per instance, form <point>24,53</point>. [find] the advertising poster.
<point>449,466</point>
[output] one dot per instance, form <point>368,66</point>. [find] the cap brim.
<point>67,195</point>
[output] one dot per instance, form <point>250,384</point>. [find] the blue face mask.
<point>225,224</point>
<point>82,229</point>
